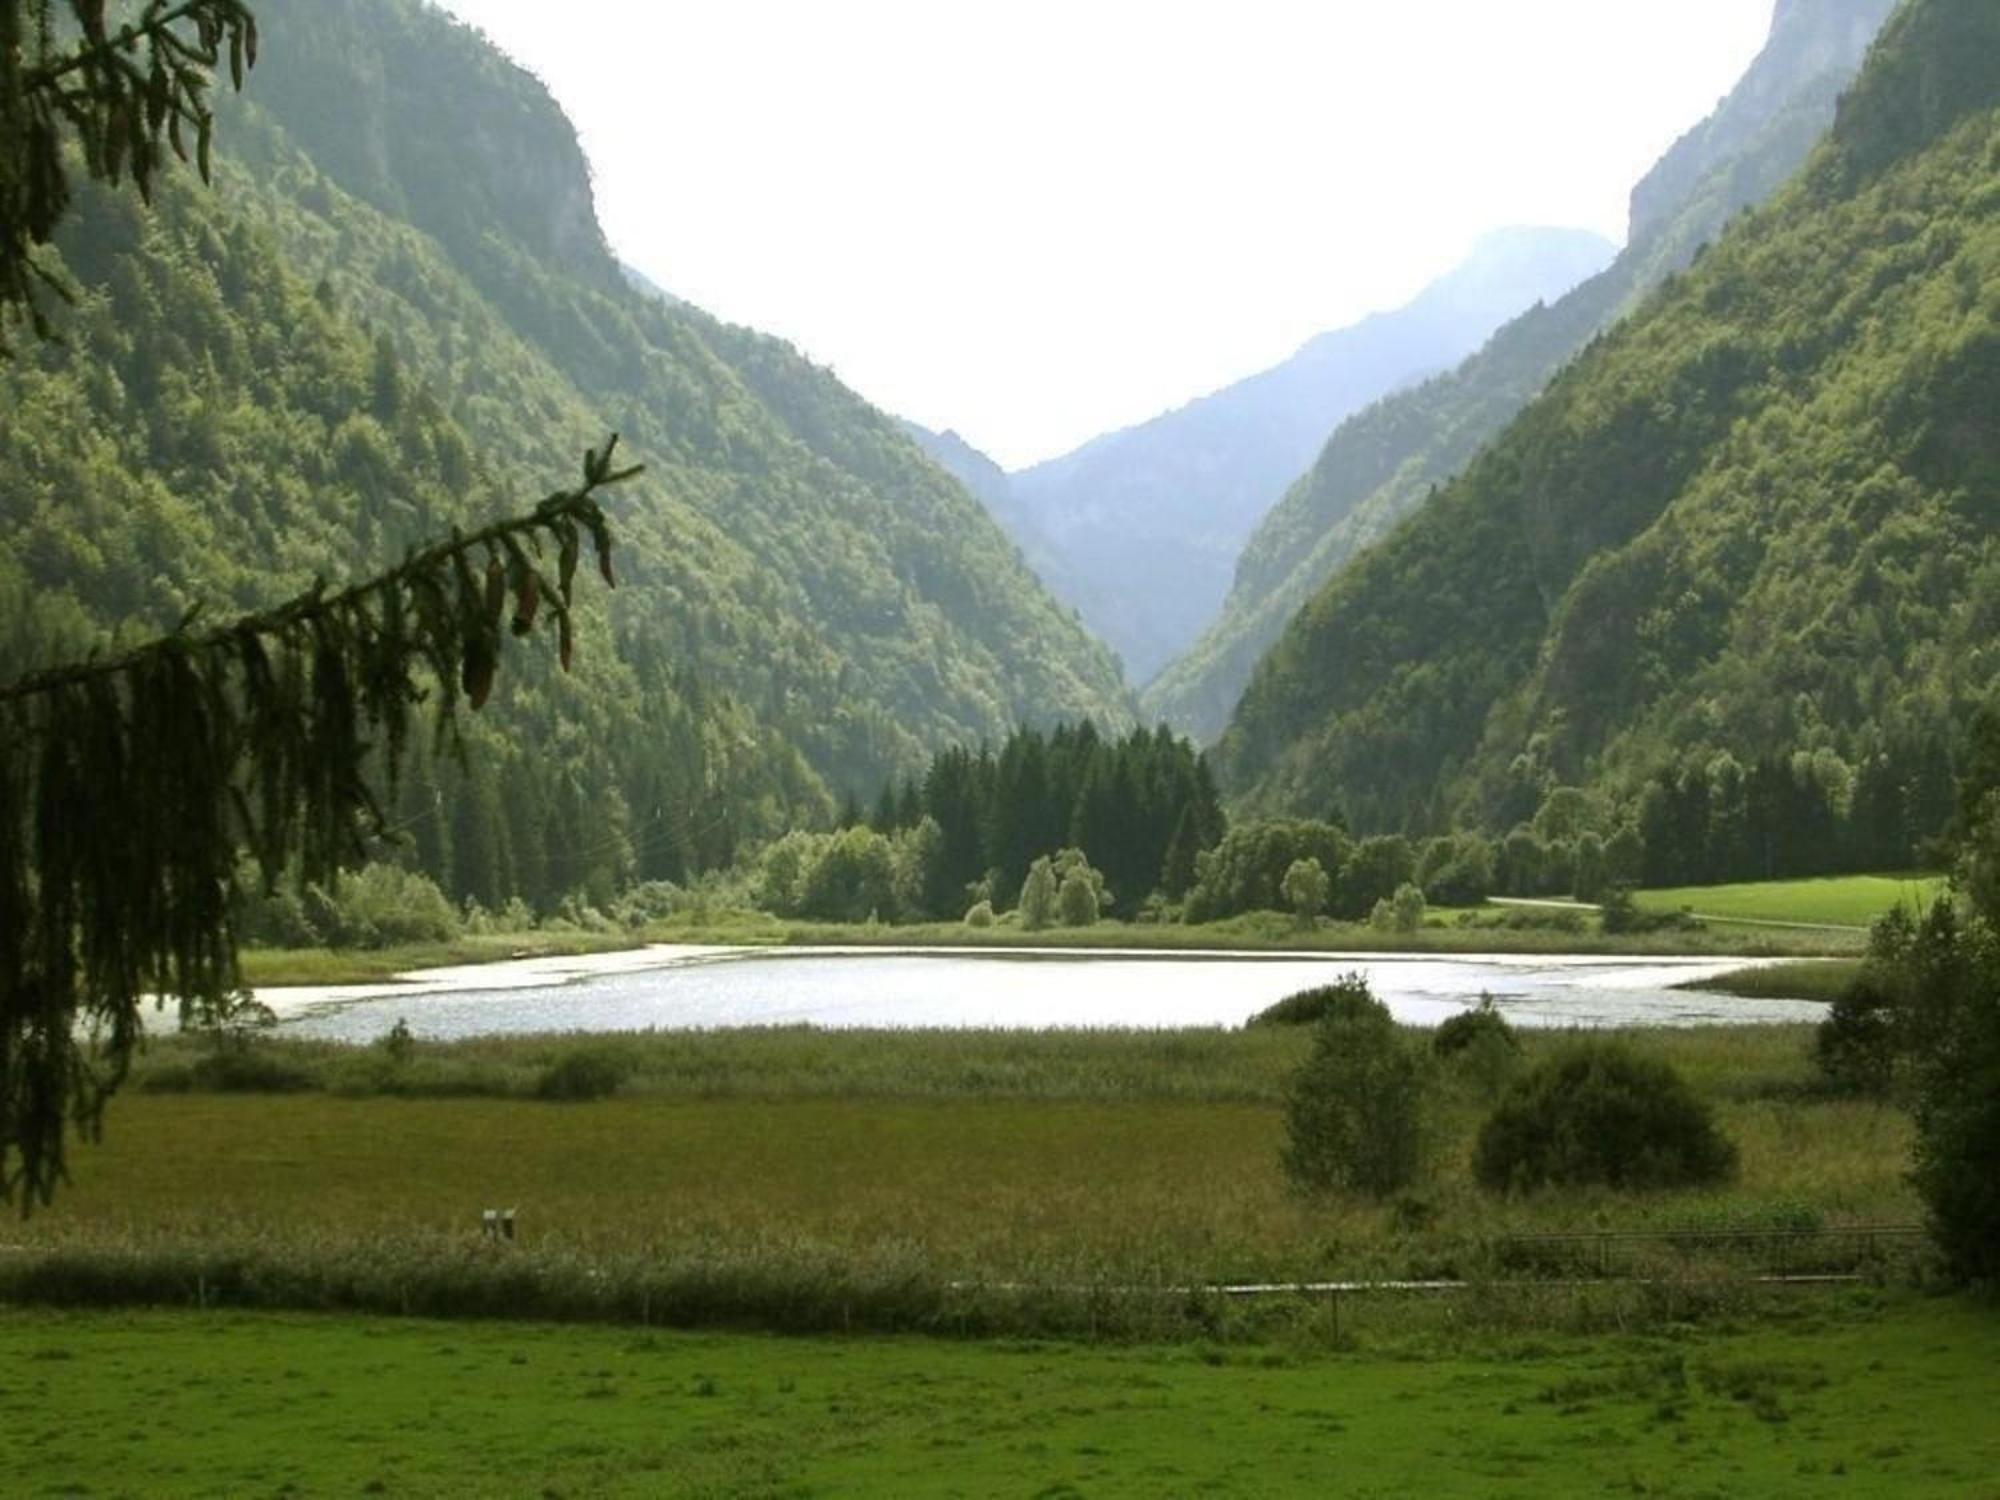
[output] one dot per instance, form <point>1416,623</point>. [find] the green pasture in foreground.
<point>1839,901</point>
<point>1852,1394</point>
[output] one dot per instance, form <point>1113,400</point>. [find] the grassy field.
<point>798,1178</point>
<point>1852,901</point>
<point>1858,1395</point>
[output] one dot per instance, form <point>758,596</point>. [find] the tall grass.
<point>797,1178</point>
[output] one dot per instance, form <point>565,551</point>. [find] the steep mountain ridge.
<point>893,569</point>
<point>1142,525</point>
<point>806,605</point>
<point>1759,518</point>
<point>1382,463</point>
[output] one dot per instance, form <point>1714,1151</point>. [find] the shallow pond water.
<point>689,988</point>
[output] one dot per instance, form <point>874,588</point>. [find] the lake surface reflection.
<point>688,988</point>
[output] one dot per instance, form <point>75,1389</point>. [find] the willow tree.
<point>130,783</point>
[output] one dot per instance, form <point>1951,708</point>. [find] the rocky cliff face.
<point>438,106</point>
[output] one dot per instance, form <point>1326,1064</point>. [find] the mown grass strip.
<point>1849,901</point>
<point>1855,1394</point>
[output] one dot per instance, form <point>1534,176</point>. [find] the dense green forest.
<point>1384,462</point>
<point>395,313</point>
<point>1130,814</point>
<point>1759,517</point>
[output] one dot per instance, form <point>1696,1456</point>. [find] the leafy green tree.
<point>1246,870</point>
<point>1076,899</point>
<point>1305,888</point>
<point>1354,1111</point>
<point>1951,978</point>
<point>852,879</point>
<point>1038,896</point>
<point>1372,872</point>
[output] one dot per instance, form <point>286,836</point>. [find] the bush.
<point>1354,1111</point>
<point>581,1075</point>
<point>1402,913</point>
<point>648,902</point>
<point>1456,870</point>
<point>1076,901</point>
<point>397,1044</point>
<point>1857,1045</point>
<point>1346,999</point>
<point>980,914</point>
<point>1618,912</point>
<point>1305,889</point>
<point>1598,1113</point>
<point>246,1070</point>
<point>1479,1051</point>
<point>1471,1028</point>
<point>1037,907</point>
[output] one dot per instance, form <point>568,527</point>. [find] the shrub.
<point>275,918</point>
<point>980,914</point>
<point>1354,1111</point>
<point>1076,901</point>
<point>1598,1113</point>
<point>580,1075</point>
<point>1618,912</point>
<point>1470,1028</point>
<point>1479,1050</point>
<point>1402,913</point>
<point>247,1070</point>
<point>401,905</point>
<point>397,1044</point>
<point>1857,1045</point>
<point>1345,999</point>
<point>1456,870</point>
<point>1305,889</point>
<point>650,901</point>
<point>1038,896</point>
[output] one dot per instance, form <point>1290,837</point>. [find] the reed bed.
<point>903,1181</point>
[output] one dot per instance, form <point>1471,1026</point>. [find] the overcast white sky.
<point>1040,220</point>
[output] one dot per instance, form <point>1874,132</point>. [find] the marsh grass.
<point>1821,979</point>
<point>797,1178</point>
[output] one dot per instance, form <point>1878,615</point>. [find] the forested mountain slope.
<point>1757,518</point>
<point>994,490</point>
<point>1143,525</point>
<point>1383,461</point>
<point>395,312</point>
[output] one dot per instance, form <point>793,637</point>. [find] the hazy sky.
<point>1039,220</point>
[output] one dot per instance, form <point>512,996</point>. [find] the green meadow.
<point>1854,1394</point>
<point>1835,901</point>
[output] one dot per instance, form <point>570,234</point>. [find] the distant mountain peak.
<point>1139,529</point>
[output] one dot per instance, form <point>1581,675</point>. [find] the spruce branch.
<point>129,784</point>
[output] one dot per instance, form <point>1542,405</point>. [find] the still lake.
<point>684,988</point>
